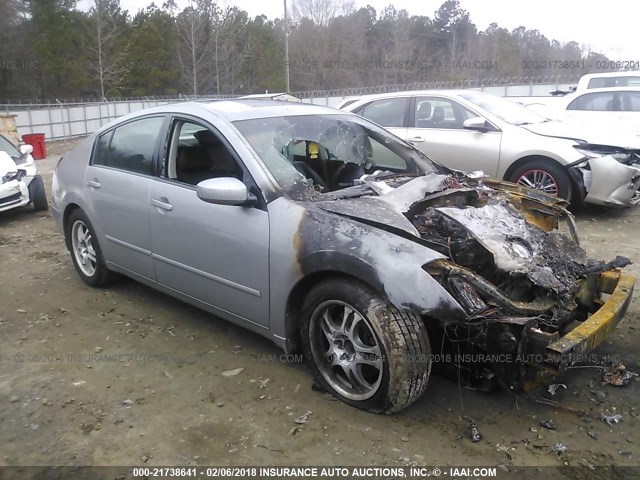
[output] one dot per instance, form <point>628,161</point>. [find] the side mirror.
<point>26,150</point>
<point>475,123</point>
<point>224,191</point>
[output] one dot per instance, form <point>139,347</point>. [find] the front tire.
<point>544,175</point>
<point>362,349</point>
<point>86,252</point>
<point>38,194</point>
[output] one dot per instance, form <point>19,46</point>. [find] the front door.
<point>217,254</point>
<point>436,129</point>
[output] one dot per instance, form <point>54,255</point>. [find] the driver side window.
<point>196,154</point>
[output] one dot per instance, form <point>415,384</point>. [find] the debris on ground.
<point>611,419</point>
<point>303,418</point>
<point>617,375</point>
<point>559,448</point>
<point>593,435</point>
<point>473,431</point>
<point>263,383</point>
<point>232,373</point>
<point>552,389</point>
<point>548,424</point>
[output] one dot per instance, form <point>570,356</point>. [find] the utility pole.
<point>286,48</point>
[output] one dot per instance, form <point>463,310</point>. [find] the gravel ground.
<point>163,399</point>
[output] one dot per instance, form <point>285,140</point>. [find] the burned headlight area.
<point>521,287</point>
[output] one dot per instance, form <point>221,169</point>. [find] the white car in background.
<point>469,130</point>
<point>614,107</point>
<point>20,183</point>
<point>609,79</point>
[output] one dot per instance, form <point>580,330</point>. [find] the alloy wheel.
<point>346,350</point>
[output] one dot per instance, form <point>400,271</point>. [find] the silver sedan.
<point>325,233</point>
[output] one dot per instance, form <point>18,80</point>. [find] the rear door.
<point>595,107</point>
<point>116,190</point>
<point>436,129</point>
<point>391,113</point>
<point>630,111</point>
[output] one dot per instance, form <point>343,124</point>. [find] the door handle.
<point>163,205</point>
<point>93,183</point>
<point>416,140</point>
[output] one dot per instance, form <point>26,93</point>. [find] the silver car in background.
<point>469,130</point>
<point>325,233</point>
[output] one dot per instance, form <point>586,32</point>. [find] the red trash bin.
<point>36,140</point>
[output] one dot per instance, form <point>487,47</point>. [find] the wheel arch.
<point>529,158</point>
<point>303,287</point>
<point>69,209</point>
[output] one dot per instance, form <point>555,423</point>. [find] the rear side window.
<point>631,102</point>
<point>602,102</point>
<point>388,113</point>
<point>129,147</point>
<point>626,81</point>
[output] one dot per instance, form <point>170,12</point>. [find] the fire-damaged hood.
<point>485,226</point>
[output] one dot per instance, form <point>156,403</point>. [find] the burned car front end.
<point>493,271</point>
<point>522,301</point>
<point>535,303</point>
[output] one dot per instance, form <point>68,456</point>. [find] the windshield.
<point>327,153</point>
<point>505,110</point>
<point>10,148</point>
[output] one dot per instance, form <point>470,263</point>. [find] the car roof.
<point>411,93</point>
<point>406,93</point>
<point>609,89</point>
<point>568,98</point>
<point>233,110</point>
<point>625,73</point>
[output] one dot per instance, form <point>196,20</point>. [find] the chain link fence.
<point>64,119</point>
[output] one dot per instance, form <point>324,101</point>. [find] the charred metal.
<point>509,281</point>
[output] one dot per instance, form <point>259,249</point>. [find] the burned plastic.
<point>512,287</point>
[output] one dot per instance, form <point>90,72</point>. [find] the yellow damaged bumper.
<point>568,349</point>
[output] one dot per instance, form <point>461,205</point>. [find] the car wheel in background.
<point>544,175</point>
<point>362,349</point>
<point>85,251</point>
<point>38,195</point>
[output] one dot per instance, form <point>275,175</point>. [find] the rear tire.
<point>544,175</point>
<point>362,349</point>
<point>86,252</point>
<point>38,194</point>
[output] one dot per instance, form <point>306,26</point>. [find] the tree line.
<point>53,49</point>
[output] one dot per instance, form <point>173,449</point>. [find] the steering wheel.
<point>309,172</point>
<point>335,179</point>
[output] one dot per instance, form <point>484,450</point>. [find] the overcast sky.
<point>610,27</point>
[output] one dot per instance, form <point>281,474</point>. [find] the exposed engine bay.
<point>517,279</point>
<point>522,283</point>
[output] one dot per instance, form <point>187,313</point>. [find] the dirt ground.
<point>128,376</point>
